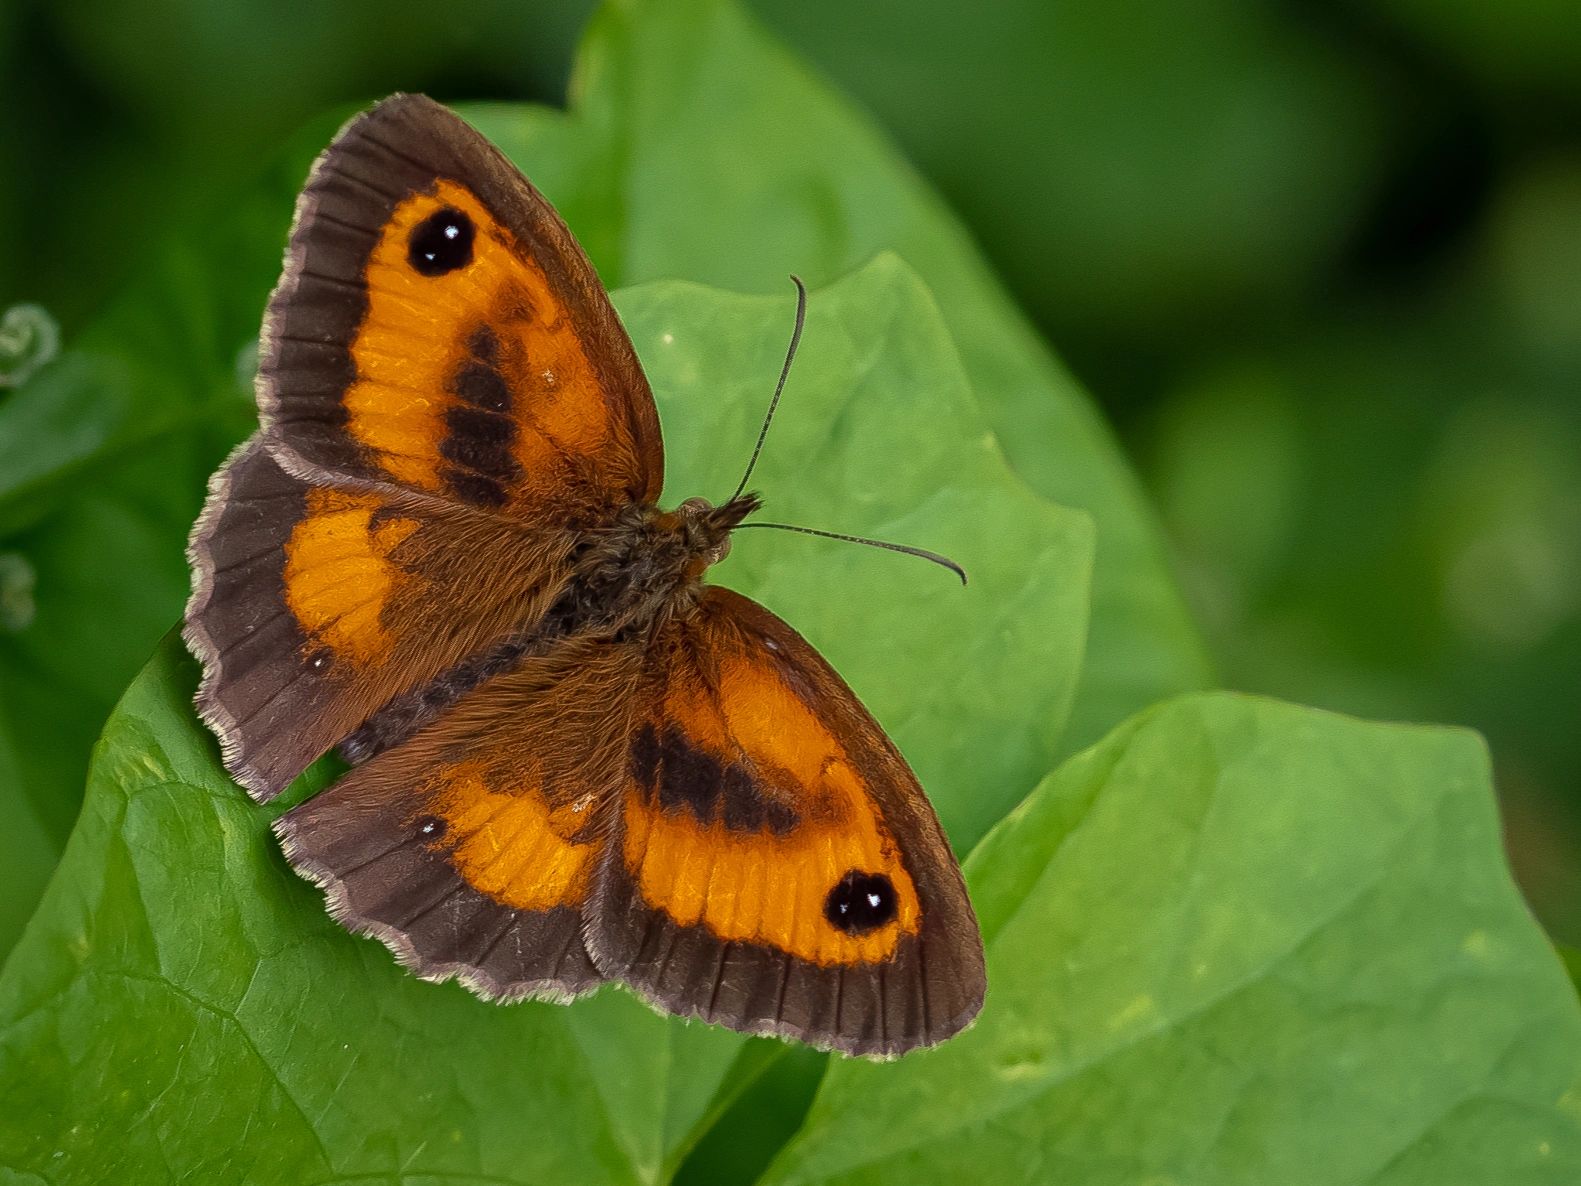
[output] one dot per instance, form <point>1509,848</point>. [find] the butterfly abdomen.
<point>645,568</point>
<point>627,579</point>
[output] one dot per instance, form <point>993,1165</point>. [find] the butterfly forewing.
<point>775,866</point>
<point>438,327</point>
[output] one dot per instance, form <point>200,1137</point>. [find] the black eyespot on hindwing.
<point>431,828</point>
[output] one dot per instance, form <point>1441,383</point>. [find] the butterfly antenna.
<point>944,561</point>
<point>790,355</point>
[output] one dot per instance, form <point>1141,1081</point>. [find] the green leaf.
<point>28,851</point>
<point>104,455</point>
<point>1056,131</point>
<point>698,148</point>
<point>1238,942</point>
<point>878,435</point>
<point>182,1007</point>
<point>1527,47</point>
<point>103,459</point>
<point>1571,958</point>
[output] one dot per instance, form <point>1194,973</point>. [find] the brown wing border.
<point>258,783</point>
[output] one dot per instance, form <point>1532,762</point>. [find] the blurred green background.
<point>1320,263</point>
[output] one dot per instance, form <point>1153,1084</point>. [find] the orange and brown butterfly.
<point>573,761</point>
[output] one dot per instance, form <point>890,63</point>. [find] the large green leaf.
<point>103,458</point>
<point>697,147</point>
<point>182,1007</point>
<point>1571,958</point>
<point>878,434</point>
<point>1058,130</point>
<point>699,150</point>
<point>1238,942</point>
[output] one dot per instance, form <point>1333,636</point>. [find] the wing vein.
<point>358,179</point>
<point>719,979</point>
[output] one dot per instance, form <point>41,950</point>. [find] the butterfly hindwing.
<point>316,605</point>
<point>775,865</point>
<point>438,327</point>
<point>470,848</point>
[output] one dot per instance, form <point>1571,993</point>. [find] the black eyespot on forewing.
<point>441,243</point>
<point>861,902</point>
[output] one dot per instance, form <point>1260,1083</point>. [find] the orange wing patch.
<point>746,817</point>
<point>337,573</point>
<point>471,380</point>
<point>507,842</point>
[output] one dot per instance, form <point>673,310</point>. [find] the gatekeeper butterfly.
<point>572,761</point>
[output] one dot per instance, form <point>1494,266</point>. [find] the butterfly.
<point>572,760</point>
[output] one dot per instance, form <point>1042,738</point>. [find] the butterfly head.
<point>706,528</point>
